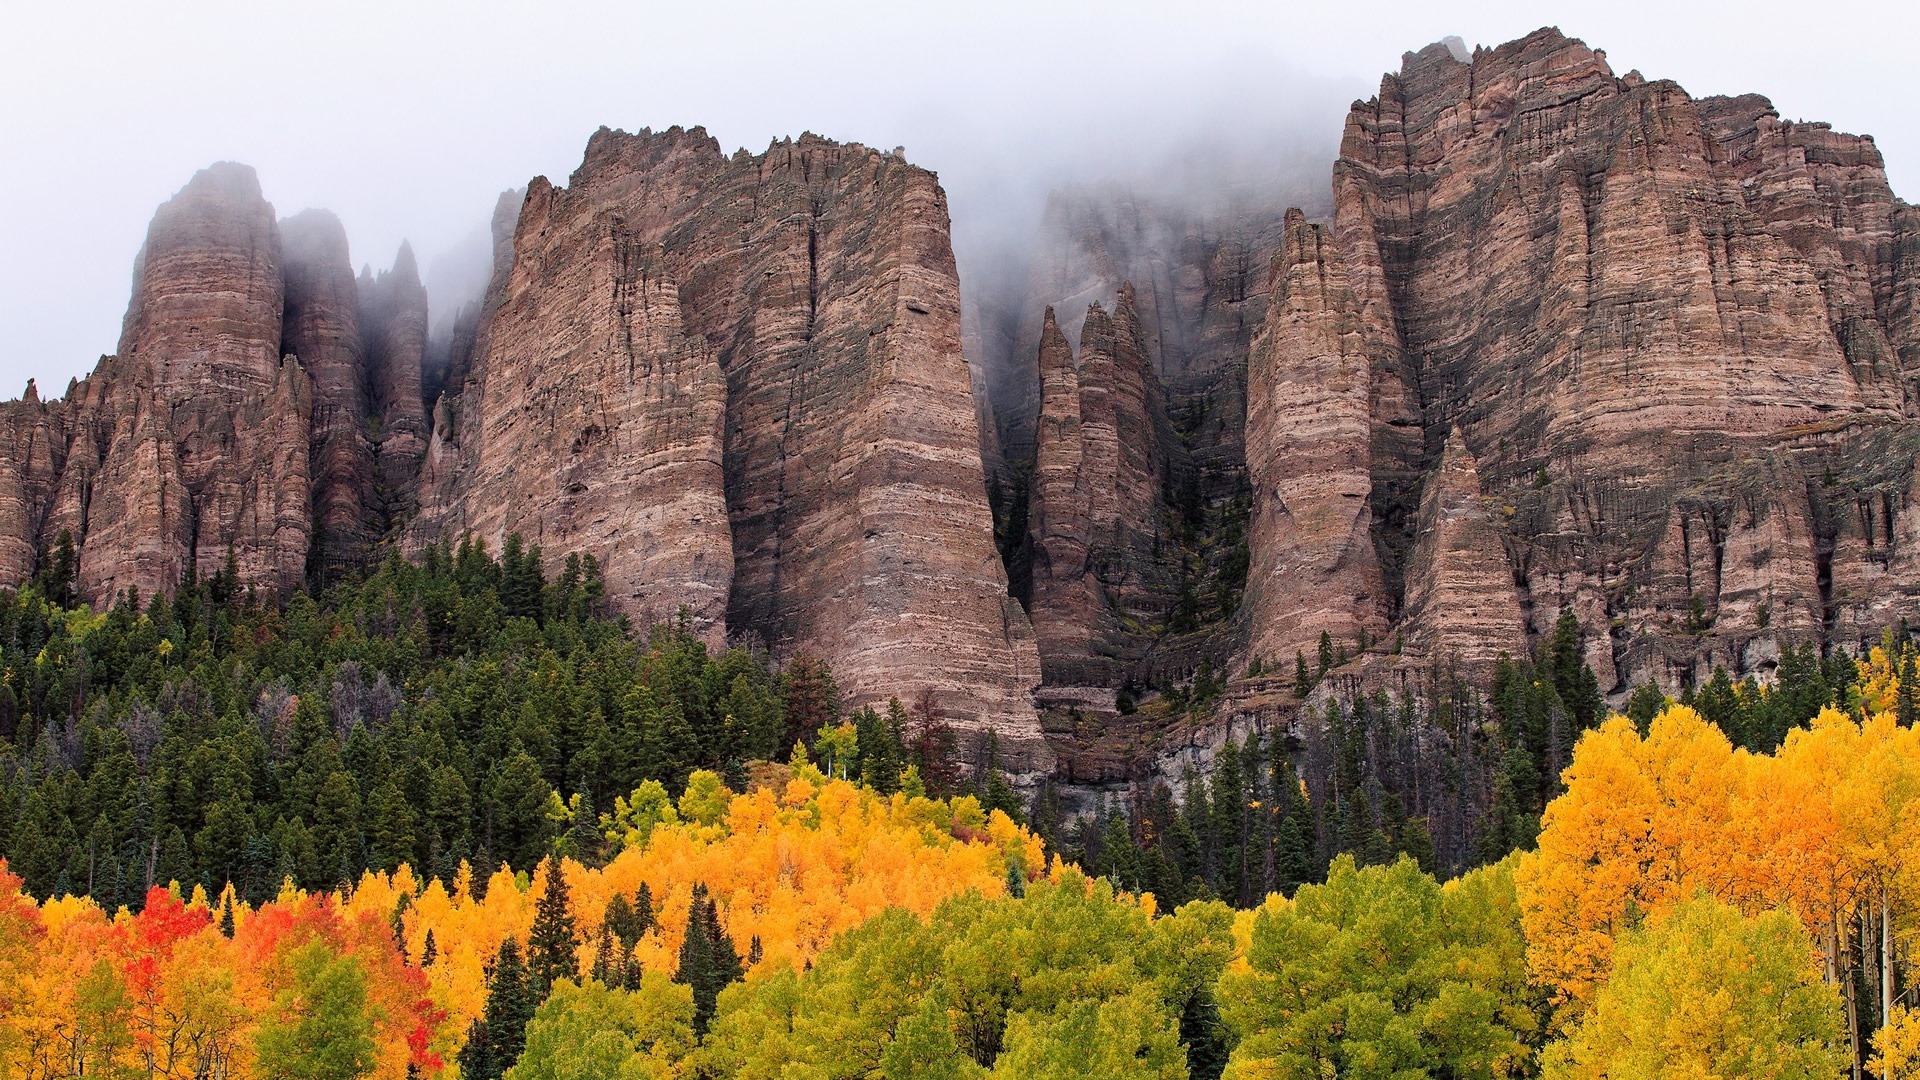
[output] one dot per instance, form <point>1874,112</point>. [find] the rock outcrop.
<point>394,314</point>
<point>1676,335</point>
<point>817,282</point>
<point>205,421</point>
<point>321,326</point>
<point>1309,452</point>
<point>1101,557</point>
<point>1461,608</point>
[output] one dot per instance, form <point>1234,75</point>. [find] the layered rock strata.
<point>230,430</point>
<point>1313,568</point>
<point>204,420</point>
<point>815,285</point>
<point>1100,552</point>
<point>321,325</point>
<point>394,314</point>
<point>1675,333</point>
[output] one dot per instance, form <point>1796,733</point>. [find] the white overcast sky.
<point>407,119</point>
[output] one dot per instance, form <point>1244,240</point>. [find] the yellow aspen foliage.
<point>1707,992</point>
<point>184,989</point>
<point>793,869</point>
<point>1896,1054</point>
<point>1827,828</point>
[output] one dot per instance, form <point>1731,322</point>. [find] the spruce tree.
<point>609,958</point>
<point>495,1041</point>
<point>708,960</point>
<point>552,946</point>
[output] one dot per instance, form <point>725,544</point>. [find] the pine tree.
<point>226,915</point>
<point>522,582</point>
<point>495,1041</point>
<point>810,698</point>
<point>708,960</point>
<point>428,951</point>
<point>476,1058</point>
<point>609,958</point>
<point>552,945</point>
<point>1302,678</point>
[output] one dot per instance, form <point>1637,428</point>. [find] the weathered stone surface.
<point>394,314</point>
<point>202,459</point>
<point>190,446</point>
<point>1676,334</point>
<point>820,279</point>
<point>1100,582</point>
<point>603,424</point>
<point>321,326</point>
<point>30,432</point>
<point>1309,451</point>
<point>1196,274</point>
<point>1461,606</point>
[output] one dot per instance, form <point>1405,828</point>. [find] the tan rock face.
<point>30,434</point>
<point>817,281</point>
<point>1461,606</point>
<point>205,424</point>
<point>1309,453</point>
<point>602,423</point>
<point>1100,554</point>
<point>394,313</point>
<point>1677,336</point>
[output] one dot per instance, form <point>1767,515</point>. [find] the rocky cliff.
<point>320,324</point>
<point>738,382</point>
<point>1101,554</point>
<point>231,427</point>
<point>1641,355</point>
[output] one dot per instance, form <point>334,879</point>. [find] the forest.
<point>451,819</point>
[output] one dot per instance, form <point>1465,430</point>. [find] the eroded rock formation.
<point>1676,335</point>
<point>321,326</point>
<point>1102,577</point>
<point>1309,452</point>
<point>776,336</point>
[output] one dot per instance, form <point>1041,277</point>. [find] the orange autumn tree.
<point>166,993</point>
<point>1826,827</point>
<point>791,868</point>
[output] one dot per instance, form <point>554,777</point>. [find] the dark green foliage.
<point>424,713</point>
<point>708,960</point>
<point>553,946</point>
<point>881,747</point>
<point>494,1041</point>
<point>1645,703</point>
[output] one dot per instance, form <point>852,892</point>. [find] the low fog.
<point>409,120</point>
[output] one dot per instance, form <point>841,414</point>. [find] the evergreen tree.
<point>708,960</point>
<point>810,699</point>
<point>552,944</point>
<point>494,1041</point>
<point>522,581</point>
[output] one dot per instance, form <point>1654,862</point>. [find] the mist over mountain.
<point>407,123</point>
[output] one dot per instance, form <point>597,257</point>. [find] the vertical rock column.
<point>202,406</point>
<point>1313,567</point>
<point>322,328</point>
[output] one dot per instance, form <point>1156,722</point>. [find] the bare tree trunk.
<point>1886,977</point>
<point>1853,1013</point>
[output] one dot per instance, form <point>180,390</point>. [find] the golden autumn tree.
<point>1827,827</point>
